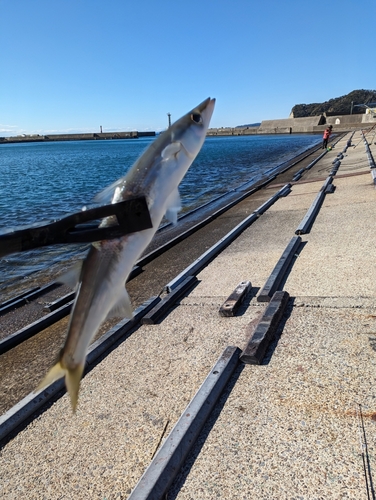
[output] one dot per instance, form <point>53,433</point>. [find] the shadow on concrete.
<point>291,265</point>
<point>176,486</point>
<point>247,300</point>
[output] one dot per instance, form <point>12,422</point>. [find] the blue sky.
<point>73,65</point>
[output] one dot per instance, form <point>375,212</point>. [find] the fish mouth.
<point>206,108</point>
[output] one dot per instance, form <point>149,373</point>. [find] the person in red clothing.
<point>326,136</point>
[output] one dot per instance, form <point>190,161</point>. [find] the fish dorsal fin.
<point>122,308</point>
<point>173,206</point>
<point>72,276</point>
<point>171,150</point>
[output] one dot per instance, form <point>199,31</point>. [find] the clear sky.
<point>73,65</point>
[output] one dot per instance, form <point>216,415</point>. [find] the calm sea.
<point>46,181</point>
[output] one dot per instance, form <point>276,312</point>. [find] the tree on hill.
<point>337,106</point>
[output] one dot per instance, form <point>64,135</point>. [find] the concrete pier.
<point>100,136</point>
<point>288,428</point>
<point>308,125</point>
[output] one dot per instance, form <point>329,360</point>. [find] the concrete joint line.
<point>162,308</point>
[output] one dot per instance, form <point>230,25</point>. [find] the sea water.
<point>41,182</point>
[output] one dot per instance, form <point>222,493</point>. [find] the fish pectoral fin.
<point>171,150</point>
<point>122,308</point>
<point>72,276</point>
<point>173,206</point>
<point>107,194</point>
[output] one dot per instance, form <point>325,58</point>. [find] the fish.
<point>101,292</point>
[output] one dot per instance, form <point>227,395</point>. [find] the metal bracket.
<point>132,216</point>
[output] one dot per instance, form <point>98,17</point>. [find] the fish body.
<point>101,291</point>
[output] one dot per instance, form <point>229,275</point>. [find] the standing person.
<point>326,136</point>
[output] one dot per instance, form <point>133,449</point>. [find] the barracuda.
<point>101,292</point>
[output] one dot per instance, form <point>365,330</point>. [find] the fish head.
<point>190,130</point>
<point>167,159</point>
<point>178,147</point>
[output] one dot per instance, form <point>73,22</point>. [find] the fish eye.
<point>196,117</point>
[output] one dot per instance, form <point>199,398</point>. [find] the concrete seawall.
<point>309,125</point>
<point>75,137</point>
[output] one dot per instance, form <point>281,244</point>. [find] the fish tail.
<point>72,380</point>
<point>56,372</point>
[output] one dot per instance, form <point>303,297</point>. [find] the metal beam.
<point>169,459</point>
<point>279,271</point>
<point>265,331</point>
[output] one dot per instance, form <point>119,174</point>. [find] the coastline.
<point>9,288</point>
<point>288,427</point>
<point>308,125</point>
<point>102,136</point>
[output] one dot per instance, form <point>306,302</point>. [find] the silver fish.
<point>101,292</point>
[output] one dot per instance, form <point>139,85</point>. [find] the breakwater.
<point>75,137</point>
<point>291,125</point>
<point>307,125</point>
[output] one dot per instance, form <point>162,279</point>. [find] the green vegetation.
<point>337,106</point>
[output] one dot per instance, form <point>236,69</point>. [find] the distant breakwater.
<point>75,137</point>
<point>307,125</point>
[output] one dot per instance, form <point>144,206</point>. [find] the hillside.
<point>337,106</point>
<point>249,125</point>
